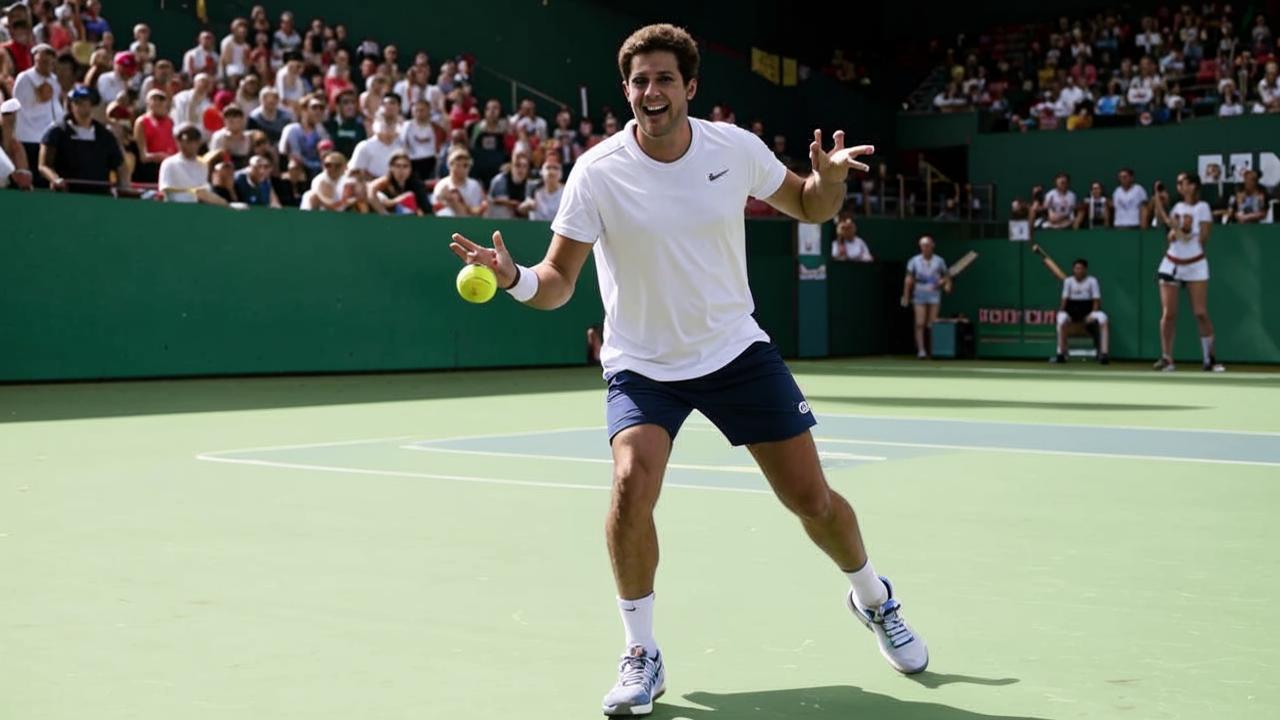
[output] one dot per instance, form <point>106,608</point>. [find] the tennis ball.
<point>477,284</point>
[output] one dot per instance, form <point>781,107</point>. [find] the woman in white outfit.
<point>1185,264</point>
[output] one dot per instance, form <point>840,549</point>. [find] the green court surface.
<point>1073,543</point>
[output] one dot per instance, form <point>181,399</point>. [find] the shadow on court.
<point>941,402</point>
<point>61,401</point>
<point>835,701</point>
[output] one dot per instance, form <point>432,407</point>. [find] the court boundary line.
<point>1067,374</point>
<point>1036,451</point>
<point>1208,431</point>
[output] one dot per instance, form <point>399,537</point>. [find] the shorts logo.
<point>803,407</point>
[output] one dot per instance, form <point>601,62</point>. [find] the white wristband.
<point>526,284</point>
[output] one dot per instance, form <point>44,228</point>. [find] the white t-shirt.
<point>180,176</point>
<point>670,247</point>
<point>1087,289</point>
<point>1188,245</point>
<point>36,117</point>
<point>1128,205</point>
<point>1061,204</point>
<point>419,140</point>
<point>546,204</point>
<point>472,194</point>
<point>374,156</point>
<point>855,249</point>
<point>110,85</point>
<point>927,273</point>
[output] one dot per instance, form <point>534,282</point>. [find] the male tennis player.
<point>922,288</point>
<point>660,204</point>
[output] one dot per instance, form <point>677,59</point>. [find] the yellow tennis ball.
<point>477,284</point>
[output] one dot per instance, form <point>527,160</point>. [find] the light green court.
<point>1073,543</point>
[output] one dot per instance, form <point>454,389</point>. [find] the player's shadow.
<point>819,703</point>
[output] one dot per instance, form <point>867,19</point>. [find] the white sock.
<point>637,618</point>
<point>1206,347</point>
<point>867,586</point>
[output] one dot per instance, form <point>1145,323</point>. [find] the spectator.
<point>1060,204</point>
<point>1096,208</point>
<point>399,191</point>
<point>346,128</point>
<point>234,56</point>
<point>488,141</point>
<point>463,114</point>
<point>163,78</point>
<point>333,189</point>
<point>96,27</point>
<point>1112,101</point>
<point>232,139</point>
<point>143,49</point>
<point>79,153</point>
<point>300,140</point>
<point>52,29</point>
<point>223,182</point>
<point>564,135</point>
<point>1149,40</point>
<point>19,48</point>
<point>1129,203</point>
<point>1251,200</point>
<point>611,126</point>
<point>260,63</point>
<point>510,189</point>
<point>1269,88</point>
<point>247,93</point>
<point>585,139</point>
<point>1082,303</point>
<point>416,86</point>
<point>847,245</point>
<point>1231,105</point>
<point>286,40</point>
<point>189,106</point>
<point>1174,63</point>
<point>337,79</point>
<point>123,76</point>
<point>290,83</point>
<point>372,156</point>
<point>1261,34</point>
<point>253,184</point>
<point>154,137</point>
<point>950,99</point>
<point>421,138</point>
<point>292,185</point>
<point>371,99</point>
<point>545,202</point>
<point>1142,88</point>
<point>184,178</point>
<point>456,194</point>
<point>270,118</point>
<point>780,151</point>
<point>526,118</point>
<point>12,155</point>
<point>38,91</point>
<point>203,58</point>
<point>1174,103</point>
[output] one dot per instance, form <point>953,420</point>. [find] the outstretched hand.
<point>835,165</point>
<point>496,259</point>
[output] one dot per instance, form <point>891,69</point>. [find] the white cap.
<point>10,106</point>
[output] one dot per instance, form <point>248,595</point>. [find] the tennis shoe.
<point>904,650</point>
<point>641,680</point>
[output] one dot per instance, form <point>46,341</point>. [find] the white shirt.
<point>374,156</point>
<point>185,111</point>
<point>855,249</point>
<point>110,85</point>
<point>670,247</point>
<point>1128,205</point>
<point>179,177</point>
<point>419,140</point>
<point>1230,109</point>
<point>927,273</point>
<point>198,60</point>
<point>1267,92</point>
<point>1086,289</point>
<point>36,117</point>
<point>546,204</point>
<point>1069,98</point>
<point>472,194</point>
<point>1188,245</point>
<point>1063,205</point>
<point>290,91</point>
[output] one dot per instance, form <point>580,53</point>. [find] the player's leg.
<point>922,318</point>
<point>1198,293</point>
<point>794,471</point>
<point>644,417</point>
<point>1104,332</point>
<point>1168,322</point>
<point>1063,320</point>
<point>931,317</point>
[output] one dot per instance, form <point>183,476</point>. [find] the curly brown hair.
<point>661,37</point>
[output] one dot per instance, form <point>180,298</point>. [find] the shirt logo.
<point>803,407</point>
<point>717,175</point>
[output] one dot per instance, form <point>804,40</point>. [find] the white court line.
<point>457,478</point>
<point>748,469</point>
<point>1066,375</point>
<point>1033,451</point>
<point>371,441</point>
<point>1077,426</point>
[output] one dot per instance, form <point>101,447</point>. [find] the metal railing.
<point>518,85</point>
<point>930,196</point>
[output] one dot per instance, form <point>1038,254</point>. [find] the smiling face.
<point>657,94</point>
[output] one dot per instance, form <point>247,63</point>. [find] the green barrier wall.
<point>139,289</point>
<point>1016,162</point>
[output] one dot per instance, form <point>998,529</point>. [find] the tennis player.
<point>922,287</point>
<point>660,205</point>
<point>1185,264</point>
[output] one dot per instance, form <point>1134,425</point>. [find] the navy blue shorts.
<point>753,399</point>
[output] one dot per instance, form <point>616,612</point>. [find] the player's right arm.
<point>557,273</point>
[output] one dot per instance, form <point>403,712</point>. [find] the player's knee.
<point>635,488</point>
<point>1099,317</point>
<point>812,502</point>
<point>1202,316</point>
<point>1063,318</point>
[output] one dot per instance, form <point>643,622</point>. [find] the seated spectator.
<point>300,140</point>
<point>1174,103</point>
<point>509,190</point>
<point>847,245</point>
<point>232,138</point>
<point>587,137</point>
<point>123,76</point>
<point>1129,203</point>
<point>1097,210</point>
<point>270,118</point>
<point>253,184</point>
<point>399,191</point>
<point>189,106</point>
<point>332,190</point>
<point>545,202</point>
<point>291,186</point>
<point>20,47</point>
<point>13,158</point>
<point>96,27</point>
<point>1251,200</point>
<point>1173,64</point>
<point>1070,97</point>
<point>1082,303</point>
<point>527,118</point>
<point>1142,88</point>
<point>79,154</point>
<point>223,182</point>
<point>1082,117</point>
<point>290,83</point>
<point>372,156</point>
<point>416,86</point>
<point>233,60</point>
<point>371,99</point>
<point>950,99</point>
<point>1060,204</point>
<point>489,141</point>
<point>203,58</point>
<point>456,194</point>
<point>247,94</point>
<point>337,79</point>
<point>1269,87</point>
<point>286,40</point>
<point>421,137</point>
<point>1231,105</point>
<point>1112,102</point>
<point>39,94</point>
<point>564,135</point>
<point>153,135</point>
<point>1260,34</point>
<point>163,78</point>
<point>143,49</point>
<point>346,128</point>
<point>184,178</point>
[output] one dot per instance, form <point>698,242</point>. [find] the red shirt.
<point>159,135</point>
<point>20,53</point>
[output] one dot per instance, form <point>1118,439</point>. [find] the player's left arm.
<point>818,197</point>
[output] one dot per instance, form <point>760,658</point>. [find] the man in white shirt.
<point>527,118</point>
<point>1082,304</point>
<point>123,76</point>
<point>1129,202</point>
<point>457,194</point>
<point>183,177</point>
<point>37,89</point>
<point>190,105</point>
<point>658,203</point>
<point>847,245</point>
<point>372,156</point>
<point>1070,97</point>
<point>1060,203</point>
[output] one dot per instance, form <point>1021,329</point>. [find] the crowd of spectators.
<point>1128,204</point>
<point>274,114</point>
<point>1117,68</point>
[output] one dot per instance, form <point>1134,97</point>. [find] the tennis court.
<point>1073,543</point>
